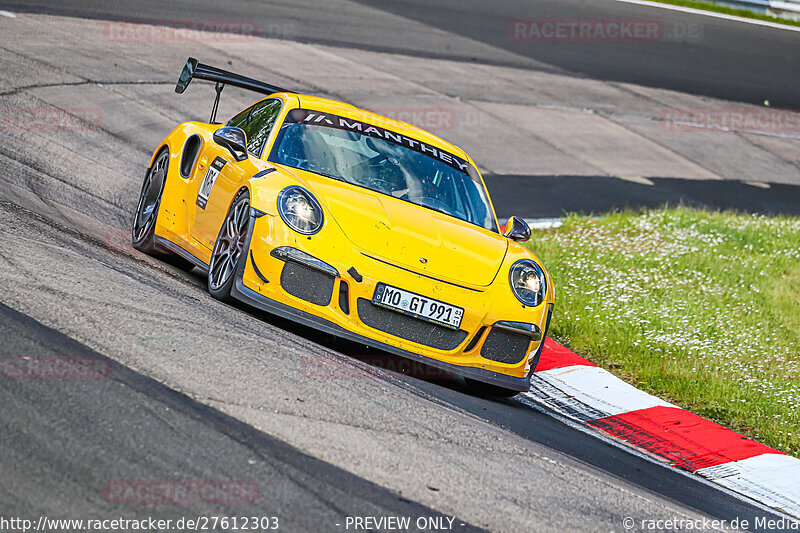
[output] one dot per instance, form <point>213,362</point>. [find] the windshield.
<point>384,162</point>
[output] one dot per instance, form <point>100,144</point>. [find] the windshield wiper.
<point>331,176</point>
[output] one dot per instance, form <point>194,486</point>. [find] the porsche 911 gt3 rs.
<point>352,223</point>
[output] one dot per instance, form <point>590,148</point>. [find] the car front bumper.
<point>262,282</point>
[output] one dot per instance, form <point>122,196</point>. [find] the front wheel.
<point>228,248</point>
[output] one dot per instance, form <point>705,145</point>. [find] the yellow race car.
<point>352,223</point>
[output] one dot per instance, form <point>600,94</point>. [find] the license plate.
<point>417,306</point>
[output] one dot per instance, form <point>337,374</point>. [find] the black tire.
<point>144,221</point>
<point>229,248</point>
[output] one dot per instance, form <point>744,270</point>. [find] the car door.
<point>221,176</point>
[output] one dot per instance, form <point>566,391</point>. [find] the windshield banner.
<point>307,116</point>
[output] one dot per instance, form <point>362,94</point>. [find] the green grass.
<point>717,8</point>
<point>701,309</point>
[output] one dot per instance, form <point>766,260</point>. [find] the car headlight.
<point>300,210</point>
<point>528,282</point>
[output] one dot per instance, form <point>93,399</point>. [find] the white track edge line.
<point>734,18</point>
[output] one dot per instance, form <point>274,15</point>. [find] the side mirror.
<point>517,230</point>
<point>234,139</point>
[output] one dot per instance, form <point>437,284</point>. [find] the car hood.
<point>413,237</point>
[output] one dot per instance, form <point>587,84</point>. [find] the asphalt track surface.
<point>722,59</point>
<point>601,194</point>
<point>65,442</point>
<point>180,414</point>
<point>710,57</point>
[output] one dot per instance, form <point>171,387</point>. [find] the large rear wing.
<point>193,70</point>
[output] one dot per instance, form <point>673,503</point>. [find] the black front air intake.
<point>505,347</point>
<point>409,328</point>
<point>307,283</point>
